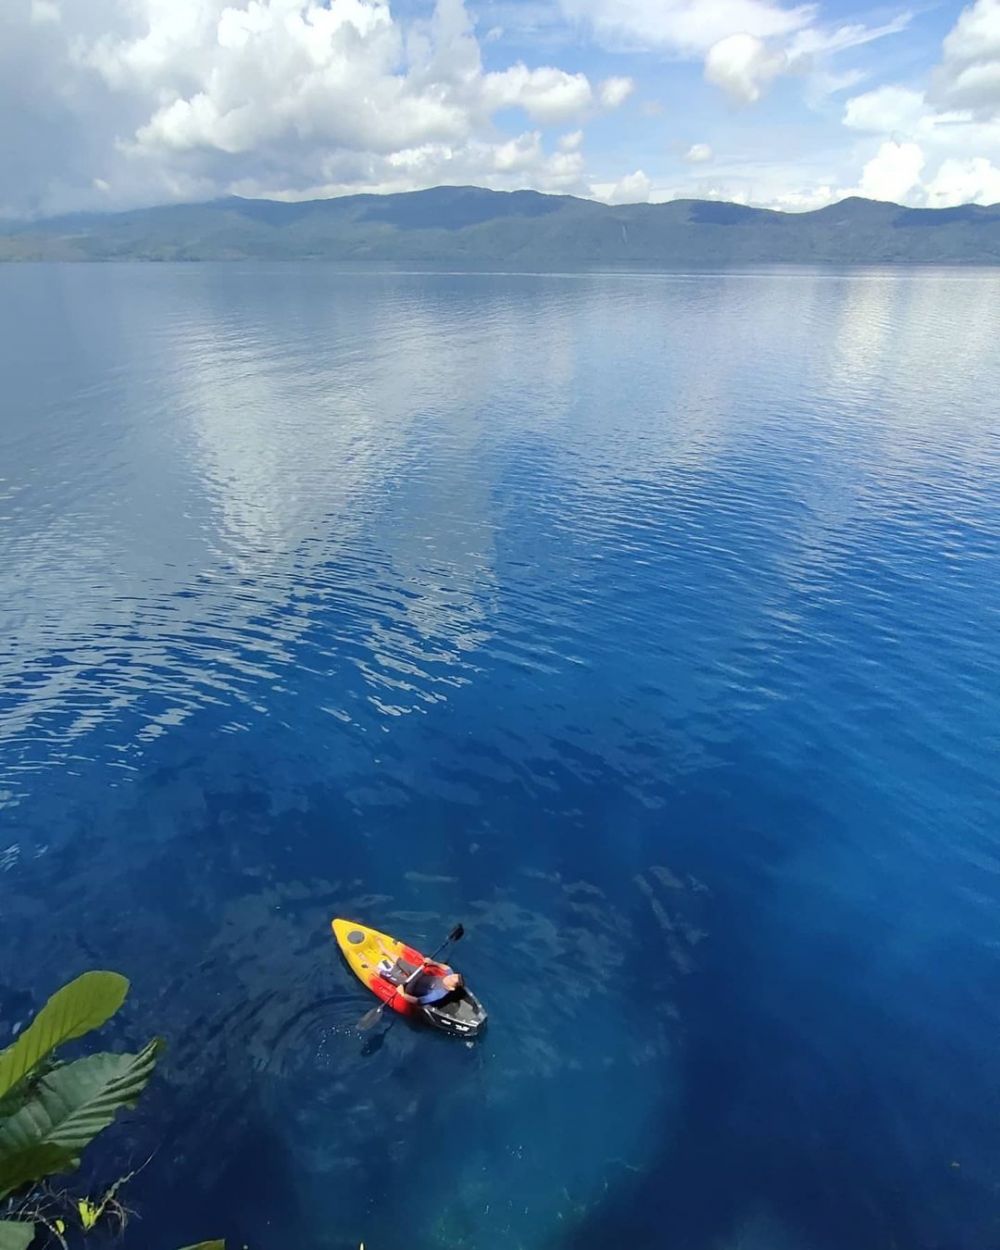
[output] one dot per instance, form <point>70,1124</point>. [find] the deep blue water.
<point>647,624</point>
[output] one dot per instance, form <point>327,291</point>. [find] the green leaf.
<point>17,1235</point>
<point>21,1093</point>
<point>71,1012</point>
<point>66,1111</point>
<point>202,1245</point>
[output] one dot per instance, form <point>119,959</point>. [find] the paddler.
<point>426,987</point>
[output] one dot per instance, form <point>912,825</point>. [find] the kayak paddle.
<point>371,1018</point>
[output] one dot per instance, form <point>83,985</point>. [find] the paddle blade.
<point>457,933</point>
<point>371,1018</point>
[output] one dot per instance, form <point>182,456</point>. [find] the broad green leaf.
<point>16,1235</point>
<point>67,1110</point>
<point>21,1092</point>
<point>71,1012</point>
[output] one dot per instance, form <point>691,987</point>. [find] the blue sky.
<point>115,103</point>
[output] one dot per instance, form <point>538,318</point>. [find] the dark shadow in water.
<point>373,1043</point>
<point>190,1194</point>
<point>773,1146</point>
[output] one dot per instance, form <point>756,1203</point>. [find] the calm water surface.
<point>648,624</point>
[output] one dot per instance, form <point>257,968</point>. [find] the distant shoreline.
<point>473,230</point>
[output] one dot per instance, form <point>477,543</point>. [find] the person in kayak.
<point>426,988</point>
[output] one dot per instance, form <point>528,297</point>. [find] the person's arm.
<point>404,993</point>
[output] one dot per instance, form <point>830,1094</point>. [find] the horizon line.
<point>553,195</point>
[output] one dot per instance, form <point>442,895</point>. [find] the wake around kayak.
<point>383,963</point>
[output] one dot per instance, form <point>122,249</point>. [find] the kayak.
<point>460,1014</point>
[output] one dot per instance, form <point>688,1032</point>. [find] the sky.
<point>111,104</point>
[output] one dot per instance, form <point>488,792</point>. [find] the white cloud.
<point>974,181</point>
<point>888,109</point>
<point>969,74</point>
<point>341,76</point>
<point>521,161</point>
<point>615,91</point>
<point>892,172</point>
<point>791,201</point>
<point>690,27</point>
<point>815,40</point>
<point>744,66</point>
<point>117,102</point>
<point>746,43</point>
<point>180,99</point>
<point>788,186</point>
<point>549,96</point>
<point>634,188</point>
<point>45,11</point>
<point>954,126</point>
<point>896,173</point>
<point>823,83</point>
<point>904,113</point>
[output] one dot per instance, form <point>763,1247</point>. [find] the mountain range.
<point>476,229</point>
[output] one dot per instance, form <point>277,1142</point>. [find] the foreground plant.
<point>51,1111</point>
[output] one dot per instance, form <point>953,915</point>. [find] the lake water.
<point>646,624</point>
